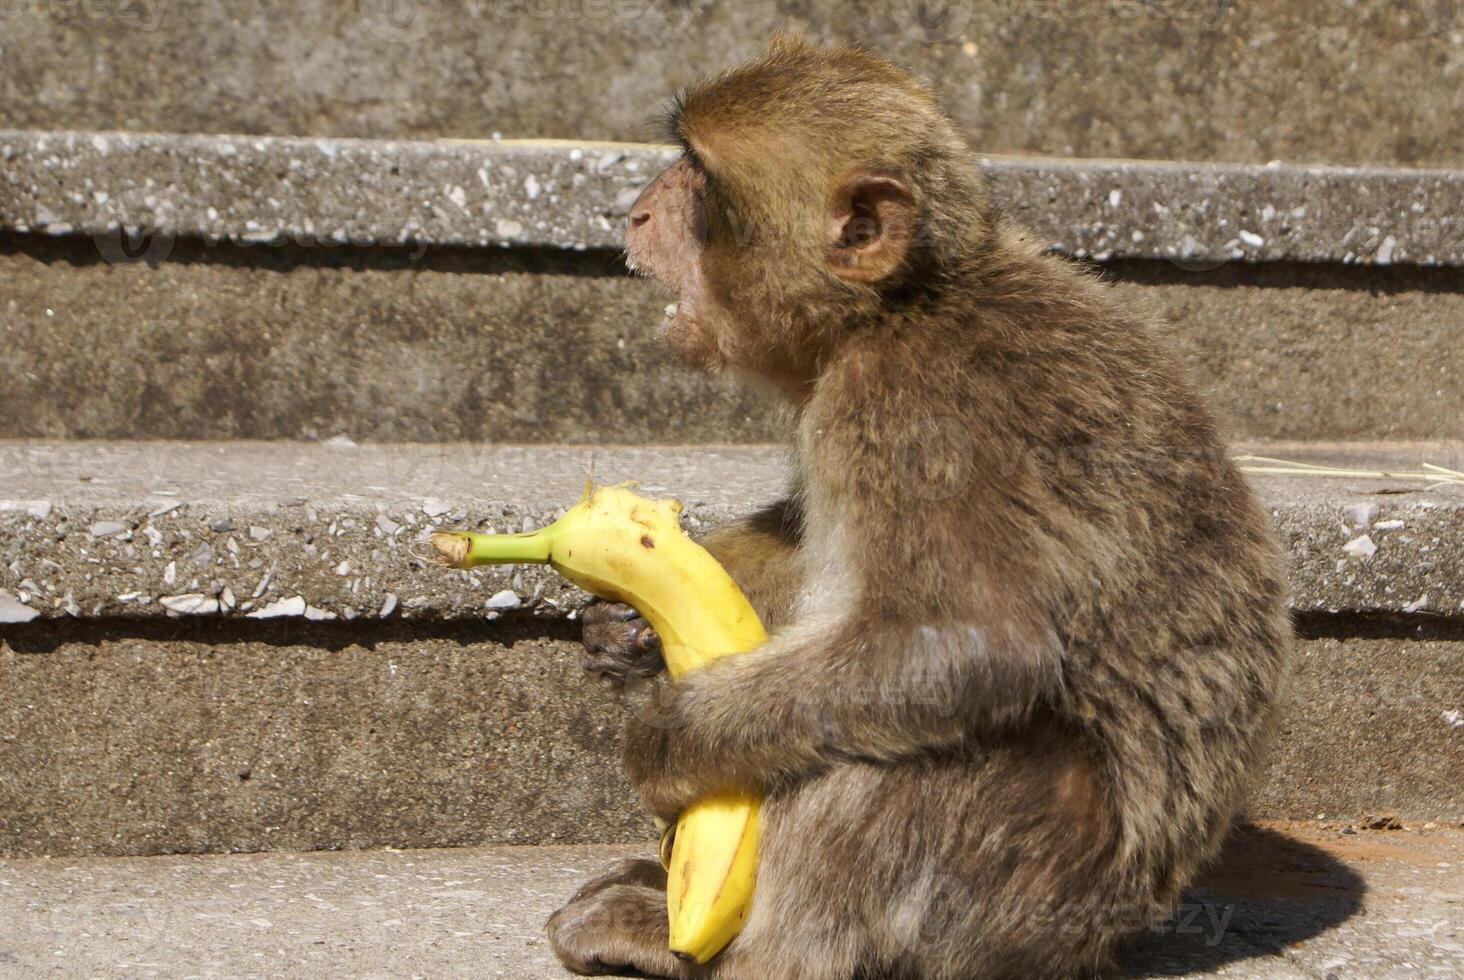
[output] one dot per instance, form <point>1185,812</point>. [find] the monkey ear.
<point>871,223</point>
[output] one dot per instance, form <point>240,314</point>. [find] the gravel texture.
<point>1285,901</point>
<point>111,529</point>
<point>331,192</point>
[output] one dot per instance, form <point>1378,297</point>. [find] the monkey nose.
<point>639,217</point>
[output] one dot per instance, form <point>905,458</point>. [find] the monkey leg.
<point>631,871</point>
<point>617,923</point>
<point>1002,867</point>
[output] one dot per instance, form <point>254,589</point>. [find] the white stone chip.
<point>317,615</point>
<point>1388,526</point>
<point>260,533</point>
<point>1361,515</point>
<point>389,606</point>
<point>506,599</point>
<point>1417,604</point>
<point>293,606</point>
<point>105,529</point>
<point>192,604</point>
<point>1362,547</point>
<point>435,508</point>
<point>344,568</point>
<point>12,610</point>
<point>263,583</point>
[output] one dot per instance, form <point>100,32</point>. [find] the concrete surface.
<point>145,705</point>
<point>1374,81</point>
<point>130,738</point>
<point>261,343</point>
<point>299,737</point>
<point>342,526</point>
<point>330,192</point>
<point>1284,901</point>
<point>113,529</point>
<point>265,342</point>
<point>1369,725</point>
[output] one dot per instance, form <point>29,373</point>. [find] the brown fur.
<point>1032,620</point>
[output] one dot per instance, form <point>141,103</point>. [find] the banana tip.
<point>451,548</point>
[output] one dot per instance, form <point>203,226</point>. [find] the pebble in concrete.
<point>12,610</point>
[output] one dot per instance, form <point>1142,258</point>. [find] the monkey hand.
<point>619,644</point>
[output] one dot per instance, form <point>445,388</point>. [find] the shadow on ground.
<point>1267,891</point>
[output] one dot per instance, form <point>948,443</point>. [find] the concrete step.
<point>307,288</point>
<point>1283,901</point>
<point>321,192</point>
<point>119,526</point>
<point>1202,79</point>
<point>508,346</point>
<point>145,707</point>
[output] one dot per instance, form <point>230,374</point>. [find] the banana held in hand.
<point>625,548</point>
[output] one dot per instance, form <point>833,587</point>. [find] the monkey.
<point>1028,624</point>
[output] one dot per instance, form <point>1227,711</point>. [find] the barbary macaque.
<point>1028,622</point>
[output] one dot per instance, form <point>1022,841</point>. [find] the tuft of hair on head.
<point>783,133</point>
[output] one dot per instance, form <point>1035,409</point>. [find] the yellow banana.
<point>622,547</point>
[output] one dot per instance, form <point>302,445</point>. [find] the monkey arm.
<point>935,628</point>
<point>817,695</point>
<point>760,552</point>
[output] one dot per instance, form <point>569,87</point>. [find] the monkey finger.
<point>599,613</point>
<point>645,639</point>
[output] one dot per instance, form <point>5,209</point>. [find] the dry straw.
<point>1434,476</point>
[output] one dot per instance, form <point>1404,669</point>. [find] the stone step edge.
<point>336,531</point>
<point>134,193</point>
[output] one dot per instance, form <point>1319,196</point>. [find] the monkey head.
<point>818,189</point>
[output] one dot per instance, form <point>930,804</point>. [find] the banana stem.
<point>467,549</point>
